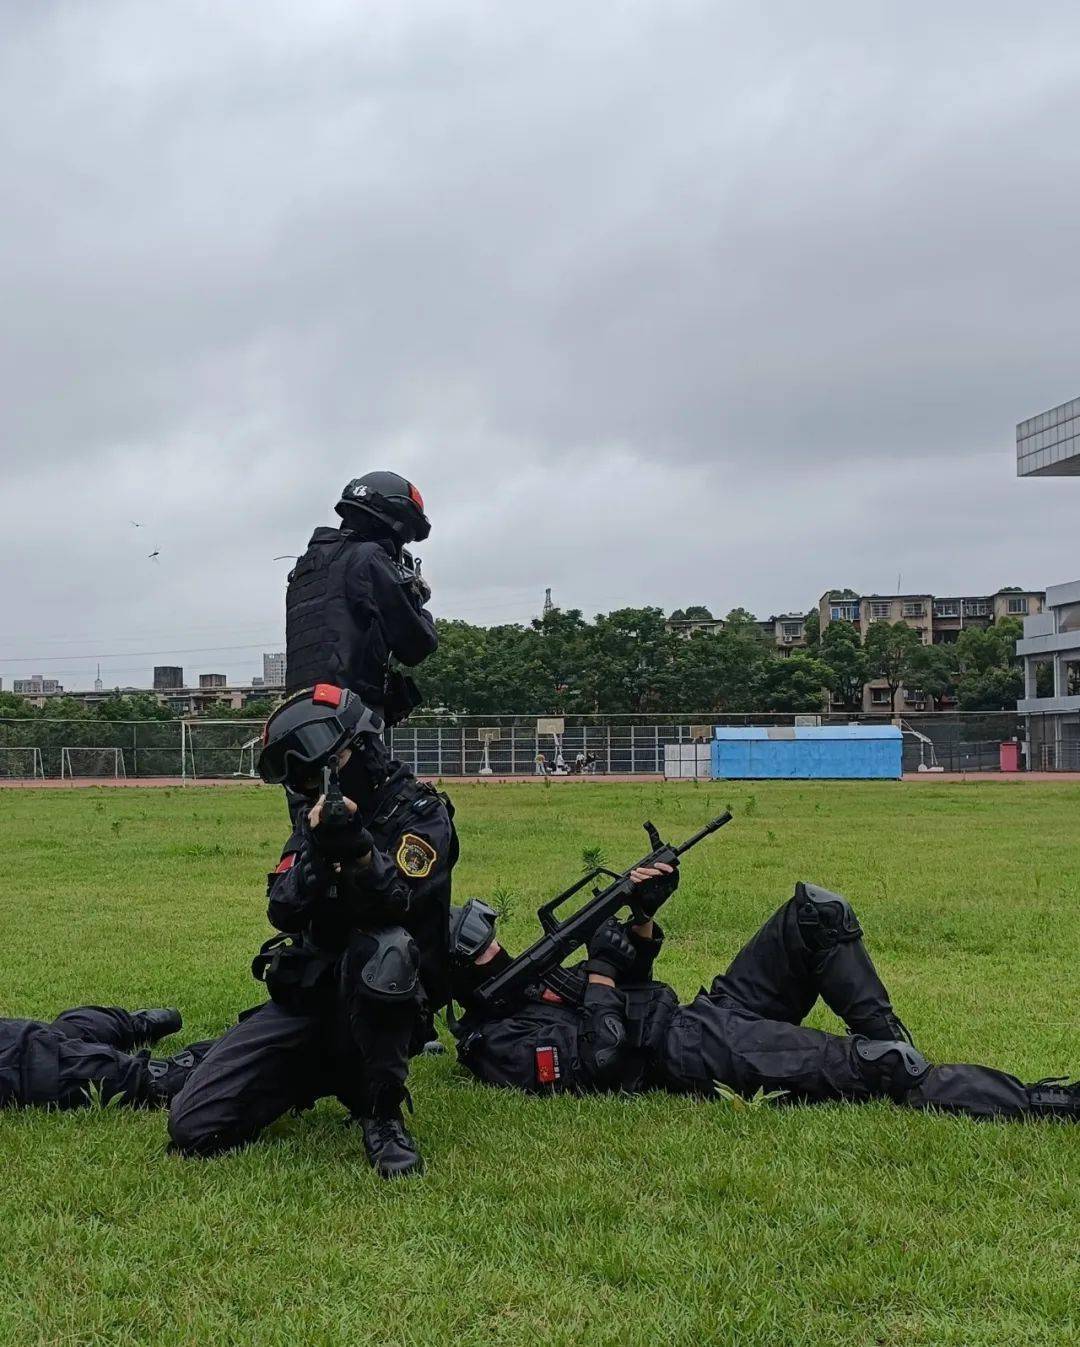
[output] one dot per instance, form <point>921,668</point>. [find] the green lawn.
<point>606,1220</point>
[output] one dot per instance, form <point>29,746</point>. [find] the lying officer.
<point>92,1048</point>
<point>362,894</point>
<point>606,1025</point>
<point>356,599</point>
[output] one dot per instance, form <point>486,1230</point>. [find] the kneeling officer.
<point>362,897</point>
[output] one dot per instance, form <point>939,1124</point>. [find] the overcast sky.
<point>658,303</point>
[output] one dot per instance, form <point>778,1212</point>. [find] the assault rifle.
<point>335,812</point>
<point>563,936</point>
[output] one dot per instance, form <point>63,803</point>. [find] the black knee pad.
<point>382,965</point>
<point>889,1068</point>
<point>825,919</point>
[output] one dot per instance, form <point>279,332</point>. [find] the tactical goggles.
<point>311,745</point>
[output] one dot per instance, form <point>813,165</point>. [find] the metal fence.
<point>480,746</point>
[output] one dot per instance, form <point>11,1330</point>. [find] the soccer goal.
<point>79,761</point>
<point>220,748</point>
<point>21,764</point>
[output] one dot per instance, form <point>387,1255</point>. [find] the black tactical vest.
<point>333,635</point>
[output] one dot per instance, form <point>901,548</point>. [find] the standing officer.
<point>356,598</point>
<point>362,897</point>
<point>606,1025</point>
<point>58,1065</point>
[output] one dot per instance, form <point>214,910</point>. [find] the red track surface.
<point>158,782</point>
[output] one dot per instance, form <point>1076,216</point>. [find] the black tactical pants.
<point>57,1064</point>
<point>746,1031</point>
<point>279,1059</point>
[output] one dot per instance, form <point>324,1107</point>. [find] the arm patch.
<point>286,863</point>
<point>415,857</point>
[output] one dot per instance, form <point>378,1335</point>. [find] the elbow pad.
<point>603,1036</point>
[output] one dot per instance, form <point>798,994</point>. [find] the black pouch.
<point>296,975</point>
<point>401,697</point>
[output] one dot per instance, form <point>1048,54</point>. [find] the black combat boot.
<point>150,1026</point>
<point>390,1148</point>
<point>168,1075</point>
<point>1055,1098</point>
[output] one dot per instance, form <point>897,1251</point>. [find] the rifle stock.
<point>562,936</point>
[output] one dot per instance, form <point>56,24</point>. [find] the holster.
<point>296,975</point>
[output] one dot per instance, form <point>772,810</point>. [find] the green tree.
<point>562,650</point>
<point>698,613</point>
<point>842,650</point>
<point>798,683</point>
<point>990,675</point>
<point>133,706</point>
<point>932,668</point>
<point>630,662</point>
<point>889,648</point>
<point>812,630</point>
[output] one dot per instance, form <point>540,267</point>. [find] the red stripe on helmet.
<point>415,496</point>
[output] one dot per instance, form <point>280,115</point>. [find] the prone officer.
<point>607,1025</point>
<point>60,1064</point>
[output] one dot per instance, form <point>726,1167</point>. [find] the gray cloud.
<point>658,302</point>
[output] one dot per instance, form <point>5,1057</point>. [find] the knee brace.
<point>825,919</point>
<point>889,1068</point>
<point>382,965</point>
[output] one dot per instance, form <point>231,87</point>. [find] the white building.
<point>1053,723</point>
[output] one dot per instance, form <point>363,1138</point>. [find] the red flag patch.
<point>547,1065</point>
<point>286,863</point>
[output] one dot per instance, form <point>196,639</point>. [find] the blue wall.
<point>854,752</point>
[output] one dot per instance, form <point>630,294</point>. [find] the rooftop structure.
<point>1048,445</point>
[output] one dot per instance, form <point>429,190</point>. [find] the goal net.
<point>21,764</point>
<point>221,748</point>
<point>82,762</point>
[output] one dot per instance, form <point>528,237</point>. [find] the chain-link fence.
<point>498,745</point>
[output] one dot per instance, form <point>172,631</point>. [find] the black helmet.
<point>391,499</point>
<point>309,729</point>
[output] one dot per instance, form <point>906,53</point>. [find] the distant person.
<point>579,764</point>
<point>356,598</point>
<point>93,1049</point>
<point>541,765</point>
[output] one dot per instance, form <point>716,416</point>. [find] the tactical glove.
<point>345,842</point>
<point>647,899</point>
<point>610,951</point>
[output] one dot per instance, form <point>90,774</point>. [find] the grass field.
<point>654,1220</point>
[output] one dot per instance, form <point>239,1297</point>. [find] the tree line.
<point>629,661</point>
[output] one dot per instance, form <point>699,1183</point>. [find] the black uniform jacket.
<point>545,1046</point>
<point>416,848</point>
<point>349,607</point>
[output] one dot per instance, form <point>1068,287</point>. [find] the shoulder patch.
<point>416,857</point>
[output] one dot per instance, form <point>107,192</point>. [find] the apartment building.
<point>938,621</point>
<point>787,631</point>
<point>37,685</point>
<point>273,675</point>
